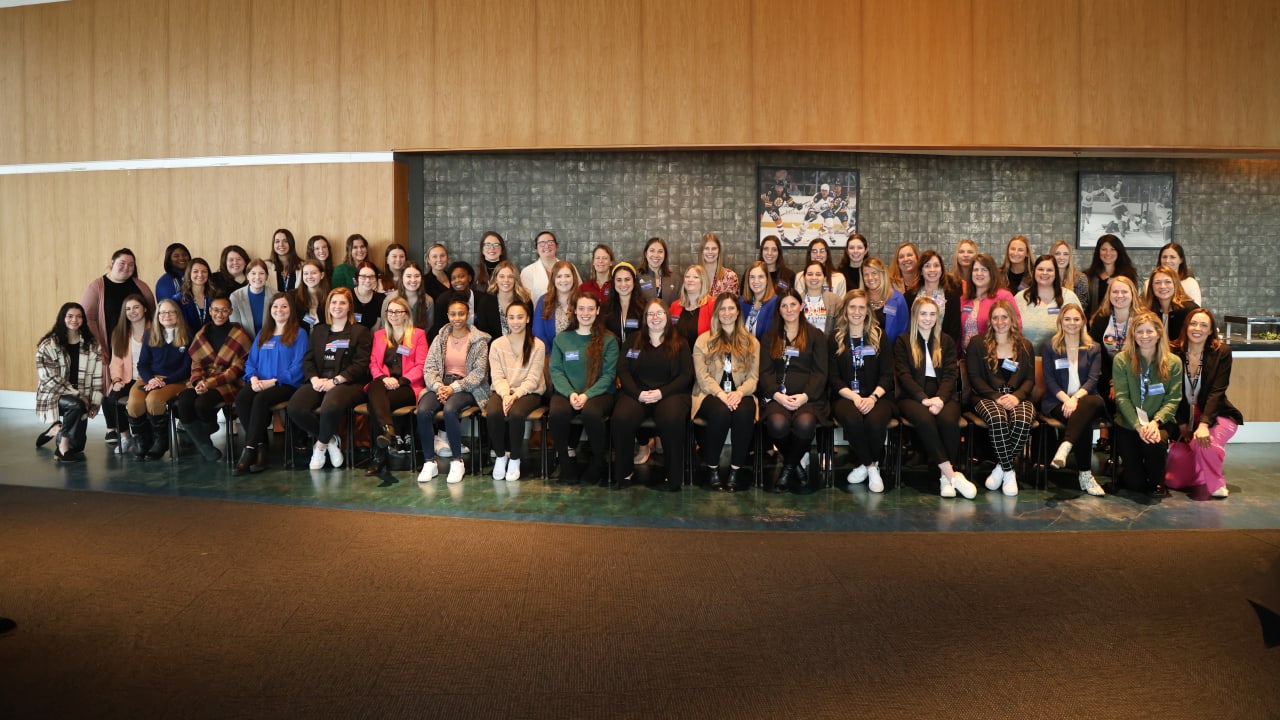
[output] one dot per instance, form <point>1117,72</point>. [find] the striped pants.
<point>1009,429</point>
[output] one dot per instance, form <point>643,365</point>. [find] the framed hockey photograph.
<point>1135,207</point>
<point>800,204</point>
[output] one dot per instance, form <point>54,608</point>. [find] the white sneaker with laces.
<point>457,470</point>
<point>317,459</point>
<point>513,471</point>
<point>995,478</point>
<point>1089,485</point>
<point>335,451</point>
<point>1010,485</point>
<point>857,474</point>
<point>874,482</point>
<point>429,471</point>
<point>500,468</point>
<point>947,489</point>
<point>963,486</point>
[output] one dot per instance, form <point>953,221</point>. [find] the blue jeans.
<point>427,407</point>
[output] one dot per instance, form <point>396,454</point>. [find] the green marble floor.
<point>1253,478</point>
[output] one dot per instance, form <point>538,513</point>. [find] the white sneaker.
<point>457,470</point>
<point>857,474</point>
<point>513,471</point>
<point>963,486</point>
<point>1221,492</point>
<point>335,451</point>
<point>1060,458</point>
<point>126,446</point>
<point>995,478</point>
<point>429,471</point>
<point>948,490</point>
<point>874,482</point>
<point>442,446</point>
<point>804,461</point>
<point>500,468</point>
<point>1089,485</point>
<point>317,459</point>
<point>1010,485</point>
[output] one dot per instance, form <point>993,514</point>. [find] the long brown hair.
<point>780,326</point>
<point>735,340</point>
<point>769,292</point>
<point>123,334</point>
<point>670,338</point>
<point>527,345</point>
<point>303,295</point>
<point>988,263</point>
<point>1210,343</point>
<point>290,332</point>
<point>549,308</point>
<point>595,346</point>
<point>989,337</point>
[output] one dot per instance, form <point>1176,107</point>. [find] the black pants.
<point>200,408</point>
<point>1144,463</point>
<point>939,434</point>
<point>670,414</point>
<point>792,432</point>
<point>506,431</point>
<point>382,402</point>
<point>735,425</point>
<point>117,418</point>
<point>75,420</point>
<point>1079,430</point>
<point>254,410</point>
<point>320,414</point>
<point>864,433</point>
<point>594,415</point>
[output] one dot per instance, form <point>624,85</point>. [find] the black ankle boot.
<point>140,428</point>
<point>200,432</point>
<point>378,462</point>
<point>387,438</point>
<point>783,483</point>
<point>713,479</point>
<point>734,483</point>
<point>246,460</point>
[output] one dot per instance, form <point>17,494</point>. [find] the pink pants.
<point>1190,465</point>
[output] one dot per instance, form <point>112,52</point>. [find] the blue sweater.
<point>544,330</point>
<point>168,287</point>
<point>167,361</point>
<point>764,321</point>
<point>894,317</point>
<point>277,361</point>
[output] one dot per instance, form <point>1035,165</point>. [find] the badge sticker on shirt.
<point>966,309</point>
<point>182,349</point>
<point>782,285</point>
<point>571,355</point>
<point>1155,389</point>
<point>269,345</point>
<point>646,285</point>
<point>1054,311</point>
<point>1062,364</point>
<point>631,324</point>
<point>359,317</point>
<point>633,354</point>
<point>402,350</point>
<point>867,350</point>
<point>791,352</point>
<point>1009,364</point>
<point>890,310</point>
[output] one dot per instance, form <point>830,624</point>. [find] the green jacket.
<point>1162,397</point>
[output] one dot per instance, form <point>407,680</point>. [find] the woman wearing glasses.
<point>368,298</point>
<point>398,353</point>
<point>163,368</point>
<point>493,252</point>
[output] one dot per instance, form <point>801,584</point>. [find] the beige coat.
<point>746,372</point>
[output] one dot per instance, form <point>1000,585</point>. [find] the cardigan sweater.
<point>707,370</point>
<point>170,362</point>
<point>1161,406</point>
<point>509,376</point>
<point>475,381</point>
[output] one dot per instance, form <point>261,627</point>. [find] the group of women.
<point>632,353</point>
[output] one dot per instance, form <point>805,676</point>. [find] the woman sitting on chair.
<point>584,364</point>
<point>218,352</point>
<point>861,378</point>
<point>793,384</point>
<point>1206,418</point>
<point>1148,382</point>
<point>726,364</point>
<point>1002,371</point>
<point>1072,364</point>
<point>69,393</point>
<point>516,364</point>
<point>273,372</point>
<point>163,369</point>
<point>396,358</point>
<point>454,379</point>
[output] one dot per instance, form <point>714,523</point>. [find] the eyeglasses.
<point>655,315</point>
<point>166,312</point>
<point>395,312</point>
<point>367,276</point>
<point>546,243</point>
<point>493,246</point>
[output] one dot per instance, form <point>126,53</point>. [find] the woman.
<point>1165,297</point>
<point>411,288</point>
<point>285,263</point>
<point>1014,267</point>
<point>584,361</point>
<point>345,274</point>
<point>310,297</point>
<point>780,276</point>
<point>889,305</point>
<point>821,253</point>
<point>1002,372</point>
<point>1040,304</point>
<point>125,349</point>
<point>69,387</point>
<point>721,278</point>
<point>656,378</point>
<point>600,281</point>
<point>820,308</point>
<point>435,279</point>
<point>554,313</point>
<point>104,297</point>
<point>335,371</point>
<point>1174,257</point>
<point>273,372</point>
<point>394,261</point>
<point>230,276</point>
<point>1110,260</point>
<point>1148,381</point>
<point>945,290</point>
<point>169,285</point>
<point>218,353</point>
<point>493,252</point>
<point>1110,325</point>
<point>454,379</point>
<point>163,368</point>
<point>926,367</point>
<point>537,275</point>
<point>624,310</point>
<point>904,273</point>
<point>726,364</point>
<point>655,276</point>
<point>1206,418</point>
<point>759,300</point>
<point>1072,364</point>
<point>504,284</point>
<point>793,383</point>
<point>982,292</point>
<point>249,306</point>
<point>397,355</point>
<point>1068,274</point>
<point>861,378</point>
<point>690,312</point>
<point>855,253</point>
<point>516,362</point>
<point>318,249</point>
<point>369,301</point>
<point>962,266</point>
<point>196,294</point>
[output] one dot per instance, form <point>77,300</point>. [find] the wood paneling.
<point>209,78</point>
<point>1233,70</point>
<point>131,79</point>
<point>58,89</point>
<point>1026,72</point>
<point>590,52</point>
<point>917,74</point>
<point>295,82</point>
<point>17,323</point>
<point>410,82</point>
<point>12,81</point>
<point>1253,387</point>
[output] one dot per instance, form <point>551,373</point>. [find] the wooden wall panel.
<point>18,322</point>
<point>485,65</point>
<point>58,73</point>
<point>698,73</point>
<point>12,85</point>
<point>589,73</point>
<point>131,79</point>
<point>209,78</point>
<point>1026,72</point>
<point>410,79</point>
<point>806,78</point>
<point>295,96</point>
<point>1133,70</point>
<point>1233,70</point>
<point>917,72</point>
<point>1253,387</point>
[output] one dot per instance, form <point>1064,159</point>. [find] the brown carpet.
<point>142,607</point>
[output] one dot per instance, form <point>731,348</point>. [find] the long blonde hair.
<point>405,338</point>
<point>518,290</point>
<point>935,335</point>
<point>1165,367</point>
<point>1059,339</point>
<point>180,331</point>
<point>689,303</point>
<point>1104,307</point>
<point>876,265</point>
<point>1180,296</point>
<point>870,328</point>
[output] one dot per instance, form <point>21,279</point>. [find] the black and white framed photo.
<point>1135,207</point>
<point>800,204</point>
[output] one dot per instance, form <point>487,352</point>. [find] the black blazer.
<point>1177,317</point>
<point>852,278</point>
<point>911,379</point>
<point>488,318</point>
<point>1212,400</point>
<point>1097,329</point>
<point>1088,373</point>
<point>635,311</point>
<point>806,373</point>
<point>986,382</point>
<point>353,359</point>
<point>951,317</point>
<point>876,371</point>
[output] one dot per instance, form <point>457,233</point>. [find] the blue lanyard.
<point>856,352</point>
<point>1146,382</point>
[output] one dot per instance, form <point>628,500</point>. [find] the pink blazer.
<point>411,364</point>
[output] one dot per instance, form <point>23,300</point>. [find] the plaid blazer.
<point>223,369</point>
<point>52,366</point>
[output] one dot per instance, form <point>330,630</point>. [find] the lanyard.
<point>855,350</point>
<point>1146,383</point>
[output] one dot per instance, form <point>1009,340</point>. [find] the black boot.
<point>160,437</point>
<point>735,483</point>
<point>140,428</point>
<point>387,438</point>
<point>259,462</point>
<point>783,483</point>
<point>713,479</point>
<point>378,462</point>
<point>246,460</point>
<point>568,469</point>
<point>199,433</point>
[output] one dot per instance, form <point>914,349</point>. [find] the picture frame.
<point>792,204</point>
<point>1136,207</point>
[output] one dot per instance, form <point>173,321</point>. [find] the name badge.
<point>890,310</point>
<point>310,320</point>
<point>1062,364</point>
<point>182,349</point>
<point>633,354</point>
<point>966,309</point>
<point>675,319</point>
<point>1010,365</point>
<point>631,324</point>
<point>855,386</point>
<point>646,285</point>
<point>402,350</point>
<point>1155,389</point>
<point>269,345</point>
<point>571,355</point>
<point>1054,311</point>
<point>337,345</point>
<point>791,352</point>
<point>782,284</point>
<point>867,350</point>
<point>359,317</point>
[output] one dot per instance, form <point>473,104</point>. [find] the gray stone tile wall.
<point>1228,211</point>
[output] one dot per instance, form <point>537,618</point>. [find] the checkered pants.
<point>1009,429</point>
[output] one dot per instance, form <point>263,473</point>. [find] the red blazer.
<point>411,365</point>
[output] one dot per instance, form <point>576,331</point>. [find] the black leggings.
<point>792,432</point>
<point>506,431</point>
<point>670,414</point>
<point>1079,430</point>
<point>720,422</point>
<point>254,410</point>
<point>199,408</point>
<point>939,434</point>
<point>320,414</point>
<point>864,433</point>
<point>594,414</point>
